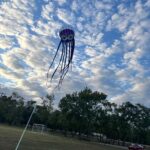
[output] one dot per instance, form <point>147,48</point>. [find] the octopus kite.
<point>66,46</point>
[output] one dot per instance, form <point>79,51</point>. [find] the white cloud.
<point>74,6</point>
<point>9,74</point>
<point>13,18</point>
<point>12,62</point>
<point>6,42</point>
<point>28,46</point>
<point>102,5</point>
<point>47,11</point>
<point>139,93</point>
<point>65,16</point>
<point>61,2</point>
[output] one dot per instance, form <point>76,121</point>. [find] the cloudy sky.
<point>112,53</point>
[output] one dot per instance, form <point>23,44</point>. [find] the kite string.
<point>22,135</point>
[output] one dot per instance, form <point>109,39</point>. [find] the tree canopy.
<point>84,112</point>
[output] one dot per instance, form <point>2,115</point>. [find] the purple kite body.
<point>67,45</point>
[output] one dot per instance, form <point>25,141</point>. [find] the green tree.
<point>80,110</point>
<point>44,111</point>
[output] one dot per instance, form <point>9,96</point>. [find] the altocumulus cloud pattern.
<point>111,54</point>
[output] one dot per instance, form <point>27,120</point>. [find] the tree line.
<point>85,112</point>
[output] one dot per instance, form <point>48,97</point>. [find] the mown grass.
<point>9,137</point>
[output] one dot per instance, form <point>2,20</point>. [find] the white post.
<point>25,128</point>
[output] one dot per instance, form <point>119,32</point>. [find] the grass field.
<point>34,141</point>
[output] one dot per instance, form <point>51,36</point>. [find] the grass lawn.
<point>33,141</point>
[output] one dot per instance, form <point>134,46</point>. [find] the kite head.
<point>66,35</point>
